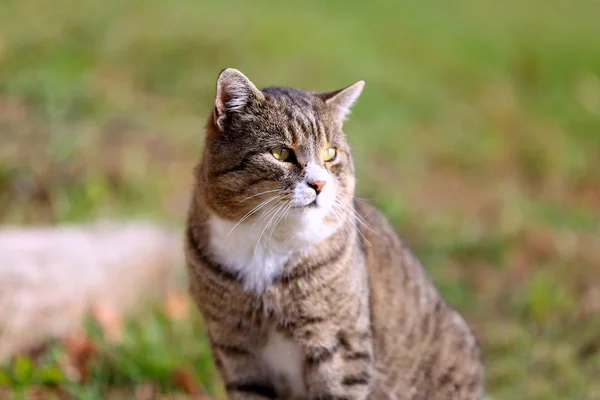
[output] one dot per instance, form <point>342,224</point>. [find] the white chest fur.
<point>258,254</point>
<point>249,251</point>
<point>283,357</point>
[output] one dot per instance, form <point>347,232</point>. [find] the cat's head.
<point>278,153</point>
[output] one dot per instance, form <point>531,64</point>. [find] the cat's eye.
<point>329,154</point>
<point>281,153</point>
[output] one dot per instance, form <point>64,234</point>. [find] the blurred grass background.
<point>478,134</point>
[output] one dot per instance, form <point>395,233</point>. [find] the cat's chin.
<point>306,226</point>
<point>309,214</point>
<point>311,222</point>
<point>306,207</point>
<point>318,205</point>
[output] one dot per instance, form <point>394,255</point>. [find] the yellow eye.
<point>280,153</point>
<point>329,154</point>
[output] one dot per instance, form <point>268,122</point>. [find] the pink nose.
<point>317,185</point>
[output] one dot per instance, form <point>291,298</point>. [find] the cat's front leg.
<point>339,364</point>
<point>243,376</point>
<point>242,371</point>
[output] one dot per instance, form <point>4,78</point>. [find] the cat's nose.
<point>317,185</point>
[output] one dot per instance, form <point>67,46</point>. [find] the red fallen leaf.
<point>178,305</point>
<point>110,321</point>
<point>79,349</point>
<point>185,380</point>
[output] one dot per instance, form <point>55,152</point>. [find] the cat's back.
<point>421,344</point>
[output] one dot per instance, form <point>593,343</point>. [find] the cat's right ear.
<point>234,93</point>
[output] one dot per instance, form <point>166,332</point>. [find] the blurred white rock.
<point>52,277</point>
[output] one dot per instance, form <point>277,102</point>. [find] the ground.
<point>478,135</point>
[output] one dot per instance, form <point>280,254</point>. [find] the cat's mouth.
<point>312,204</point>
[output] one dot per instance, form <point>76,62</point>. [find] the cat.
<point>307,292</point>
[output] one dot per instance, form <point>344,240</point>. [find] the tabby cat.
<point>307,292</point>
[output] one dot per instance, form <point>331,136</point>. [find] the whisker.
<point>268,213</point>
<point>249,213</point>
<point>278,221</point>
<point>348,226</point>
<point>358,217</point>
<point>261,193</point>
<point>364,237</point>
<point>263,231</point>
<point>334,209</point>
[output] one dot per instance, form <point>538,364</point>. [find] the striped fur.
<point>312,295</point>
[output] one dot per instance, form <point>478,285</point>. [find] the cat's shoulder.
<point>371,220</point>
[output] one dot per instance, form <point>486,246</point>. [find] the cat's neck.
<point>258,254</point>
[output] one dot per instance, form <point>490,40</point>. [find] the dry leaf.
<point>80,348</point>
<point>110,321</point>
<point>185,380</point>
<point>178,305</point>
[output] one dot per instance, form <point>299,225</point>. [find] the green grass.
<point>478,134</point>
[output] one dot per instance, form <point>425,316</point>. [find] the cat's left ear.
<point>340,101</point>
<point>234,93</point>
